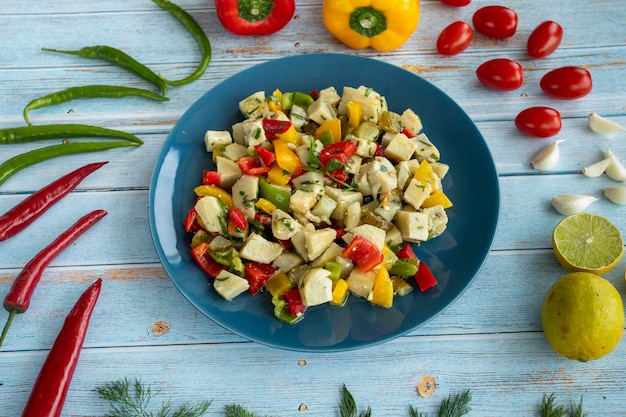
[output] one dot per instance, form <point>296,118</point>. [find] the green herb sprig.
<point>549,409</point>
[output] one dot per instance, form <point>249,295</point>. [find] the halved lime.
<point>586,242</point>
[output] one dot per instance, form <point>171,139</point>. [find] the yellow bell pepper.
<point>265,205</point>
<point>285,157</point>
<point>333,126</point>
<point>381,24</point>
<point>382,292</point>
<point>278,284</point>
<point>340,292</point>
<point>437,198</point>
<point>278,176</point>
<point>355,113</point>
<point>275,102</point>
<point>205,190</point>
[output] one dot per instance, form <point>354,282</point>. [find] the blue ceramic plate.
<point>455,257</point>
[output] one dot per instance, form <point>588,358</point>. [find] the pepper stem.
<point>254,10</point>
<point>368,21</point>
<point>7,325</point>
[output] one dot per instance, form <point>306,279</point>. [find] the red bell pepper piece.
<point>260,17</point>
<point>344,147</point>
<point>211,178</point>
<point>364,253</point>
<point>273,128</point>
<point>406,252</point>
<point>201,254</point>
<point>264,219</point>
<point>294,302</point>
<point>55,376</point>
<point>257,274</point>
<point>251,166</point>
<point>424,277</point>
<point>190,221</point>
<point>265,155</point>
<point>239,218</point>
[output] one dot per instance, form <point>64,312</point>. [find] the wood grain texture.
<point>489,341</point>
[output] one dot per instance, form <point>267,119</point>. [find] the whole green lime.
<point>582,316</point>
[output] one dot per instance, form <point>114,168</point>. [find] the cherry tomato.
<point>567,83</point>
<point>501,74</point>
<point>544,39</point>
<point>495,21</point>
<point>454,38</point>
<point>456,3</point>
<point>541,122</point>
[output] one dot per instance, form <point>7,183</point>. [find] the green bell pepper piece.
<point>277,196</point>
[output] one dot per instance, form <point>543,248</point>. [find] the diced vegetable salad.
<point>314,199</point>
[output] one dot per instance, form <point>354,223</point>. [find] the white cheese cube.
<point>381,172</point>
<point>365,147</point>
<point>287,261</point>
<point>212,212</point>
<point>411,122</point>
<point>401,148</point>
<point>316,287</point>
<point>254,105</point>
<point>329,255</point>
<point>416,193</point>
<point>284,227</point>
<point>213,139</point>
<point>234,151</point>
<point>437,220</point>
<point>361,283</point>
<point>245,194</point>
<point>229,285</point>
<point>321,111</point>
<point>253,132</point>
<point>258,249</point>
<point>425,148</point>
<point>302,201</point>
<point>324,208</point>
<point>374,234</point>
<point>330,95</point>
<point>317,241</point>
<point>413,225</point>
<point>229,171</point>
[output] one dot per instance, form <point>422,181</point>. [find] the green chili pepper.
<point>25,134</point>
<point>196,31</point>
<point>403,268</point>
<point>21,161</point>
<point>118,58</point>
<point>89,91</point>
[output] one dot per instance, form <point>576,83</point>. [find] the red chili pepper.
<point>18,298</point>
<point>424,277</point>
<point>273,128</point>
<point>251,166</point>
<point>50,389</point>
<point>26,212</point>
<point>364,253</point>
<point>239,218</point>
<point>265,155</point>
<point>201,254</point>
<point>257,274</point>
<point>211,178</point>
<point>294,302</point>
<point>259,17</point>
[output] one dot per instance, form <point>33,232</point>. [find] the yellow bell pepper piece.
<point>437,198</point>
<point>275,102</point>
<point>278,284</point>
<point>278,176</point>
<point>265,205</point>
<point>340,292</point>
<point>381,24</point>
<point>382,292</point>
<point>355,113</point>
<point>290,135</point>
<point>425,174</point>
<point>333,126</point>
<point>205,190</point>
<point>285,157</point>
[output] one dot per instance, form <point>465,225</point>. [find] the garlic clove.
<point>598,168</point>
<point>615,170</point>
<point>616,194</point>
<point>603,126</point>
<point>548,157</point>
<point>567,204</point>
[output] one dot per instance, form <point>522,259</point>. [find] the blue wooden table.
<point>490,341</point>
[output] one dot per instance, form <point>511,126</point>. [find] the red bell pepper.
<point>211,178</point>
<point>273,128</point>
<point>257,274</point>
<point>265,155</point>
<point>294,302</point>
<point>424,277</point>
<point>406,252</point>
<point>251,166</point>
<point>264,220</point>
<point>201,254</point>
<point>364,253</point>
<point>254,17</point>
<point>346,148</point>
